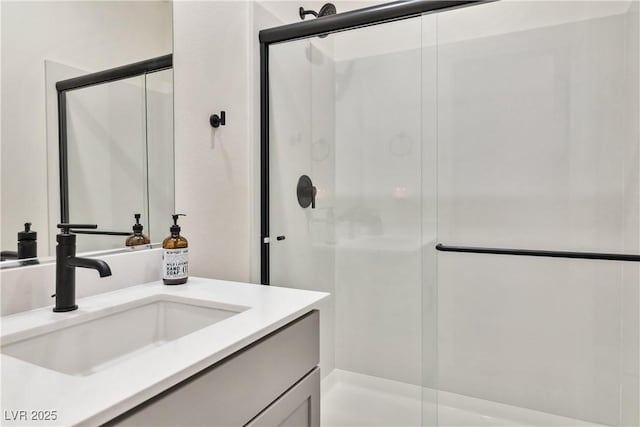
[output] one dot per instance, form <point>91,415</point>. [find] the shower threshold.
<point>353,399</point>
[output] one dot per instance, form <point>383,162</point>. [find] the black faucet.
<point>66,263</point>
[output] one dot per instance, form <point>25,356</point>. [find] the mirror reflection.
<point>116,152</point>
<point>103,155</point>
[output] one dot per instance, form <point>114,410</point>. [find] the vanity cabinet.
<point>274,381</point>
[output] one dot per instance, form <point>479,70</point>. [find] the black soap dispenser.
<point>27,242</point>
<point>137,238</point>
<point>175,256</point>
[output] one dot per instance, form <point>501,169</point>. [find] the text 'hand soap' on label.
<point>175,263</point>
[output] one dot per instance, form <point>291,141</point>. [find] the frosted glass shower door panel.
<point>534,124</point>
<point>301,143</point>
<point>294,151</point>
<point>107,159</point>
<point>346,111</point>
<point>378,201</point>
<point>538,149</point>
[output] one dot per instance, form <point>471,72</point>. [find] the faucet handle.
<point>66,227</point>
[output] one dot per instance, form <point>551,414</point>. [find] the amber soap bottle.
<point>137,238</point>
<point>175,256</point>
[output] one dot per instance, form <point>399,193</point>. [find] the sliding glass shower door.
<point>351,209</point>
<point>538,149</point>
<point>502,125</point>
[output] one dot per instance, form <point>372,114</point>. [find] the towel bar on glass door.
<point>531,252</point>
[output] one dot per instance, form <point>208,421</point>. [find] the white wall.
<point>212,73</point>
<point>86,35</point>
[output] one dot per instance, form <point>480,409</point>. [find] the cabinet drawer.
<point>298,407</point>
<point>234,390</point>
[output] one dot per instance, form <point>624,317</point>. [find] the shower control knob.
<point>306,192</point>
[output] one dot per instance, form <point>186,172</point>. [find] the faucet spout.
<point>96,264</point>
<point>66,263</point>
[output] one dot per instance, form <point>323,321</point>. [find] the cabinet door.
<point>298,407</point>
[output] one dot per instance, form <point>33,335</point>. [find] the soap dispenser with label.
<point>137,238</point>
<point>175,256</point>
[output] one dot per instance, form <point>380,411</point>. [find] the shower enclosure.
<point>464,178</point>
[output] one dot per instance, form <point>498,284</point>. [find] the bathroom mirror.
<point>118,134</point>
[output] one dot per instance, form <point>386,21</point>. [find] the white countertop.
<point>97,398</point>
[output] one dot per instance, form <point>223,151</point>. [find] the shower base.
<point>352,399</point>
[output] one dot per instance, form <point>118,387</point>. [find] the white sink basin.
<point>99,340</point>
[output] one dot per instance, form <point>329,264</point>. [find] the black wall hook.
<point>217,121</point>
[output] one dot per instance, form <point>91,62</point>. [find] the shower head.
<point>327,9</point>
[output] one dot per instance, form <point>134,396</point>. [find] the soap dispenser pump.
<point>27,242</point>
<point>137,238</point>
<point>175,256</point>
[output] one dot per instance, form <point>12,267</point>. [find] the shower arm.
<point>303,13</point>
